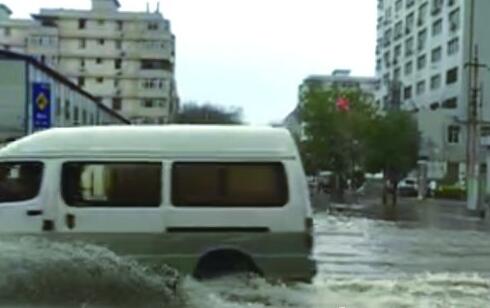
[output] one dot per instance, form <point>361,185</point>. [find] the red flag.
<point>343,104</point>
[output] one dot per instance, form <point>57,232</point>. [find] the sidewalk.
<point>429,212</point>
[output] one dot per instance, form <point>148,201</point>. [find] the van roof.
<point>155,141</point>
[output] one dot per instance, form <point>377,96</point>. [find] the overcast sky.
<point>254,53</point>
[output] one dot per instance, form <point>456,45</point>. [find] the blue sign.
<point>41,113</point>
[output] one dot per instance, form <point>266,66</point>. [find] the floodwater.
<point>361,262</point>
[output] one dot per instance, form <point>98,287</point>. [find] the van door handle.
<point>34,212</point>
<point>70,221</point>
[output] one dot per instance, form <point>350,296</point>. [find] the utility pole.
<point>473,131</point>
<point>473,123</point>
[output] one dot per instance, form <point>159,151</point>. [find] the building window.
<point>454,20</point>
<point>100,22</point>
<point>408,68</point>
<point>81,81</point>
<point>84,117</point>
<point>117,64</point>
<point>421,62</point>
<point>435,82</point>
<point>398,5</point>
<point>437,27</point>
<point>148,103</point>
<point>387,59</point>
<point>451,2</point>
<point>229,184</point>
<point>452,76</point>
<point>116,82</point>
<point>101,41</point>
<point>453,134</point>
<point>421,40</point>
<point>397,74</point>
<point>154,64</point>
<point>99,79</point>
<point>112,184</point>
<point>421,87</point>
<point>58,107</point>
<point>75,115</point>
<point>409,22</point>
<point>387,37</point>
<point>118,44</point>
<point>409,47</point>
<point>409,3</point>
<point>82,63</point>
<point>436,6</point>
<point>83,43</point>
<point>485,131</point>
<point>82,23</point>
<point>116,103</point>
<point>153,26</point>
<point>153,83</point>
<point>453,46</point>
<point>450,103</point>
<point>407,92</point>
<point>98,60</point>
<point>67,110</point>
<point>398,30</point>
<point>7,31</point>
<point>120,25</point>
<point>422,16</point>
<point>436,55</point>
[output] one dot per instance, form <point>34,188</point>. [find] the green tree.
<point>335,139</point>
<point>392,148</point>
<point>193,113</point>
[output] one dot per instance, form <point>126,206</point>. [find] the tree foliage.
<point>393,146</point>
<point>334,139</point>
<point>193,113</point>
<point>359,139</point>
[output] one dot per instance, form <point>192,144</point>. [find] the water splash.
<point>427,290</point>
<point>43,272</point>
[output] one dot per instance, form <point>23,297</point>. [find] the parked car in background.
<point>408,187</point>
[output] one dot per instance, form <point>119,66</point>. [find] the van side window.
<point>229,185</point>
<point>20,181</point>
<point>112,184</point>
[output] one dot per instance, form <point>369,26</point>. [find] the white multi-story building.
<point>422,50</point>
<point>125,59</point>
<point>339,78</point>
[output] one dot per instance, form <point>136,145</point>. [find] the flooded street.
<point>362,263</point>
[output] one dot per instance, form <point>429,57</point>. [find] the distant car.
<point>408,188</point>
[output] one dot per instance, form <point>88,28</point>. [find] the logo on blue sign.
<point>41,95</point>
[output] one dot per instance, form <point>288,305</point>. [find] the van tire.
<point>224,262</point>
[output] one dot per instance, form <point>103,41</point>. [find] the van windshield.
<point>20,181</point>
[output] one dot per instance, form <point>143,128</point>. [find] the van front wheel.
<point>221,263</point>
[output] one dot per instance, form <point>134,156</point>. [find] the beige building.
<point>125,59</point>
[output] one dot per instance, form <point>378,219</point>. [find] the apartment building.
<point>422,50</point>
<point>125,59</point>
<point>340,78</point>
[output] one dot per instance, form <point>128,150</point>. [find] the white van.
<point>205,200</point>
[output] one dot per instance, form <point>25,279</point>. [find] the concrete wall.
<point>12,99</point>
